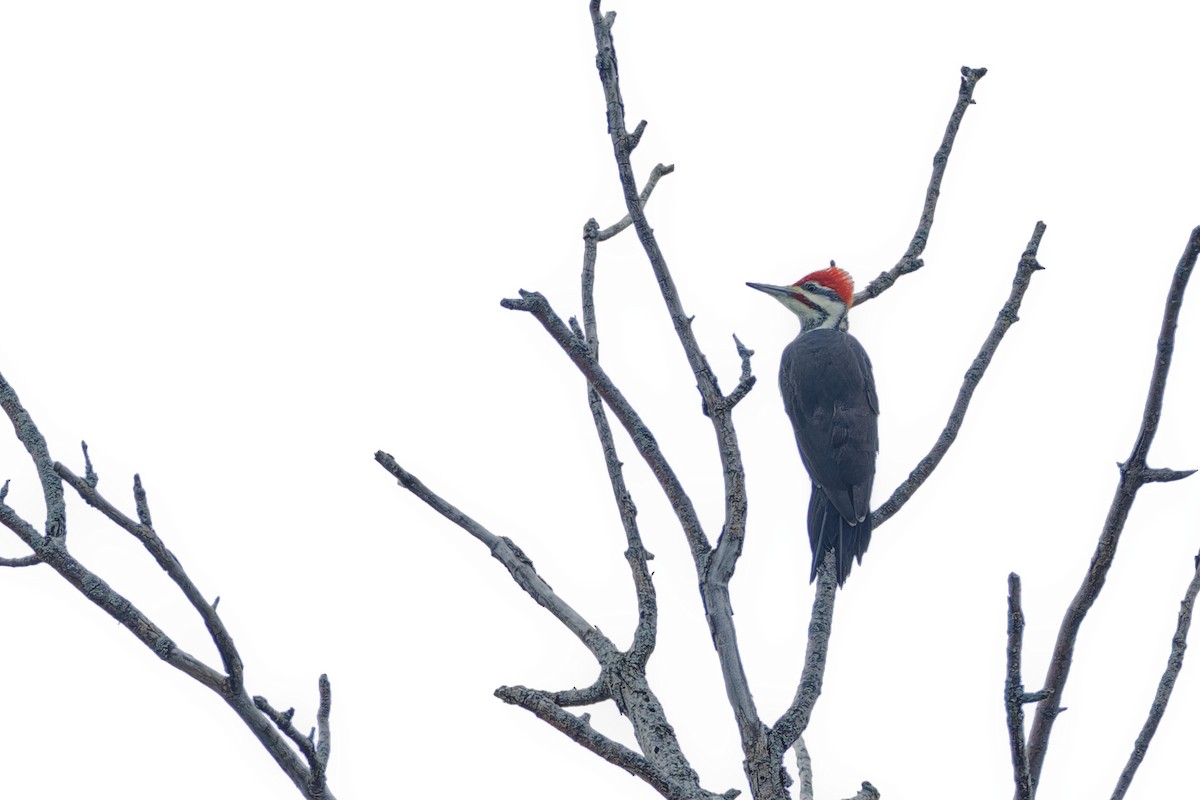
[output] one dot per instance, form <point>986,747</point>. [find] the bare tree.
<point>303,758</point>
<point>660,760</point>
<point>1029,756</point>
<point>622,678</point>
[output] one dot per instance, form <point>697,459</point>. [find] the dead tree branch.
<point>646,633</point>
<point>1004,320</point>
<point>623,679</point>
<point>623,673</point>
<point>21,561</point>
<point>1014,691</point>
<point>165,559</point>
<point>50,547</point>
<point>511,556</point>
<point>577,350</point>
<point>1166,685</point>
<point>804,773</point>
<point>315,746</point>
<point>1133,475</point>
<point>911,260</point>
<point>579,730</point>
<point>788,729</point>
<point>714,568</point>
<point>29,435</point>
<point>655,174</point>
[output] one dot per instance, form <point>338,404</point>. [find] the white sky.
<point>246,244</point>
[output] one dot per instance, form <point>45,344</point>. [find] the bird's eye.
<point>811,286</point>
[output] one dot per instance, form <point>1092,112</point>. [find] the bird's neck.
<point>829,320</point>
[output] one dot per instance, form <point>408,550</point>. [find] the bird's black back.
<point>829,394</point>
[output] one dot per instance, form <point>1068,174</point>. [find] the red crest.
<point>834,278</point>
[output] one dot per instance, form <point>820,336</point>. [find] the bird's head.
<point>820,299</point>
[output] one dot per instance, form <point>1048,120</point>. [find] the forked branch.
<point>718,406</point>
<point>623,677</point>
<point>1133,475</point>
<point>50,547</point>
<point>622,673</point>
<point>714,568</point>
<point>35,444</point>
<point>646,633</point>
<point>316,745</point>
<point>577,350</point>
<point>165,559</point>
<point>579,729</point>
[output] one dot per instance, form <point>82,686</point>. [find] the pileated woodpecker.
<point>829,395</point>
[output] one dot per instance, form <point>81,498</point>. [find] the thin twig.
<point>277,746</point>
<point>623,145</point>
<point>283,721</point>
<point>52,552</point>
<point>804,773</point>
<point>911,260</point>
<point>645,633</point>
<point>1165,686</point>
<point>1014,691</point>
<point>747,380</point>
<point>324,734</point>
<point>220,635</point>
<point>507,553</point>
<point>659,171</point>
<point>1164,475</point>
<point>647,446</point>
<point>89,472</point>
<point>139,499</point>
<point>1004,320</point>
<point>20,561</point>
<point>1133,474</point>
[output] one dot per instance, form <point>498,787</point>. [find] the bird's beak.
<point>777,291</point>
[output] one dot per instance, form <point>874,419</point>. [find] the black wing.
<point>829,394</point>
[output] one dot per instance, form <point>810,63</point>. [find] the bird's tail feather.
<point>828,530</point>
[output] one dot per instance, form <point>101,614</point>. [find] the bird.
<point>829,395</point>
